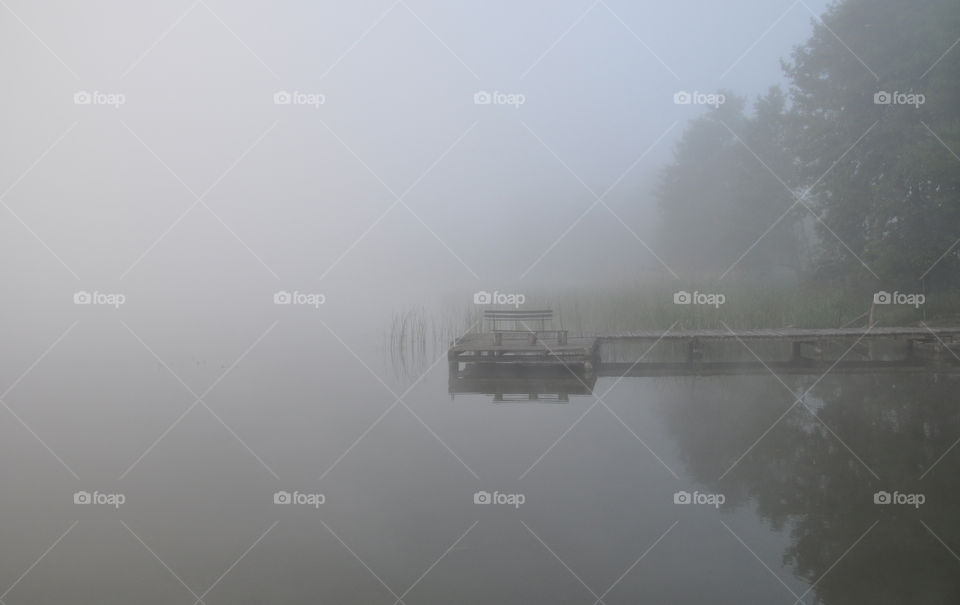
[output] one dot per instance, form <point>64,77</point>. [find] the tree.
<point>886,189</point>
<point>728,191</point>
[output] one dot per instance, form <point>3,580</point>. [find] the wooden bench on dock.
<point>529,324</point>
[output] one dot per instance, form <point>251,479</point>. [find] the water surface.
<point>797,465</point>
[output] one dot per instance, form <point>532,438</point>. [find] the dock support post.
<point>694,352</point>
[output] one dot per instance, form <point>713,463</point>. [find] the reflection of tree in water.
<point>801,475</point>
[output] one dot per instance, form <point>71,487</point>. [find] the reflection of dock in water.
<point>556,384</point>
<point>517,383</point>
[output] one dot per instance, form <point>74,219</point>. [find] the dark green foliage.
<point>878,184</point>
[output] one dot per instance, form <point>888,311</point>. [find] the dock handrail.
<point>519,320</point>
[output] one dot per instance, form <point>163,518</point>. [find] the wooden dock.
<point>691,352</point>
<point>517,349</point>
<point>781,368</point>
<point>794,333</point>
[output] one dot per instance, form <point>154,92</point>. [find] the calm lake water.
<point>589,497</point>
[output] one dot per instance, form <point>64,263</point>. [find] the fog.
<point>236,240</point>
<point>302,192</point>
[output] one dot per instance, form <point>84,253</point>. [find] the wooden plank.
<point>787,333</point>
<point>781,367</point>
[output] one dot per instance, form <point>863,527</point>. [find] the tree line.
<point>851,176</point>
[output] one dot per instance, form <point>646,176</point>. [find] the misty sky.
<point>398,83</point>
